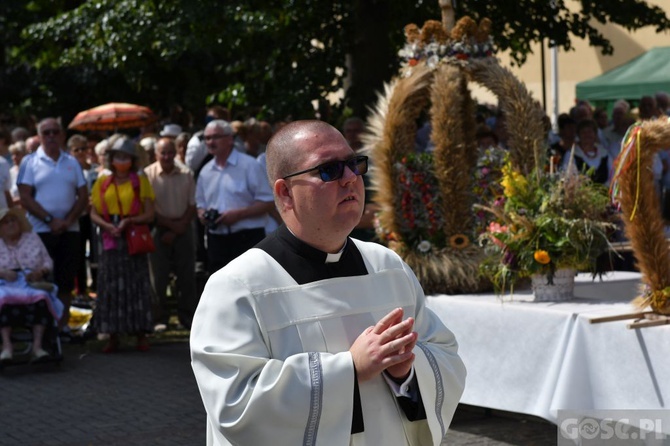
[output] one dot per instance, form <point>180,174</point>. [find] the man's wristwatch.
<point>48,219</point>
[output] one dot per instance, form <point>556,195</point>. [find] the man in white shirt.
<point>233,197</point>
<point>53,190</point>
<point>315,338</point>
<point>195,157</point>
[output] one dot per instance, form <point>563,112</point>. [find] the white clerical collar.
<point>334,258</point>
<point>330,258</point>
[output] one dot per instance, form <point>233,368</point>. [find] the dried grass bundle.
<point>392,127</point>
<point>523,113</point>
<point>455,155</point>
<point>644,225</point>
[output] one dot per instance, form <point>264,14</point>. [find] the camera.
<point>210,216</point>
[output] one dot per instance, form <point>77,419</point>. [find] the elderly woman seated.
<point>25,299</point>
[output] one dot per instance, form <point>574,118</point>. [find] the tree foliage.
<point>270,57</point>
<point>518,24</point>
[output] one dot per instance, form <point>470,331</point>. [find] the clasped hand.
<point>386,346</point>
<point>31,276</point>
<point>58,226</point>
<point>117,230</point>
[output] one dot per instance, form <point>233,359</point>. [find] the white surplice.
<point>272,364</point>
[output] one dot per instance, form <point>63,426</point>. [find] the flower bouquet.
<point>543,223</point>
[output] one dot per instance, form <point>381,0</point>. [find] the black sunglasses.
<point>333,170</point>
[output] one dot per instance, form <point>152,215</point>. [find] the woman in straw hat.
<point>124,292</point>
<point>23,260</point>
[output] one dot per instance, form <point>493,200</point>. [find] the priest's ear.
<point>283,194</point>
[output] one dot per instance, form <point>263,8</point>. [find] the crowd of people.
<point>589,139</point>
<point>204,194</point>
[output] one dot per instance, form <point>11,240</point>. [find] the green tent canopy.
<point>643,76</point>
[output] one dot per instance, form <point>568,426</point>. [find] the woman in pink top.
<point>23,260</point>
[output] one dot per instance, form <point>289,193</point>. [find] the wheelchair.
<point>22,338</point>
<point>22,342</point>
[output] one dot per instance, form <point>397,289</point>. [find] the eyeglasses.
<point>78,149</point>
<point>50,132</point>
<point>214,137</point>
<point>333,170</point>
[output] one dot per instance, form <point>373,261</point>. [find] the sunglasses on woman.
<point>333,170</point>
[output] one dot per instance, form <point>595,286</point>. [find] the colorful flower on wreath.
<point>496,228</point>
<point>459,241</point>
<point>424,246</point>
<point>541,256</point>
<point>432,61</point>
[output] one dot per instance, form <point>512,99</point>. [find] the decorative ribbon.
<point>630,152</point>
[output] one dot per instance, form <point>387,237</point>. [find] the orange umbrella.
<point>113,116</point>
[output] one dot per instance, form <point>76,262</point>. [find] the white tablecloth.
<point>539,357</point>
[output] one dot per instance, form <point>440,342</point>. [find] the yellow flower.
<point>513,182</point>
<point>542,256</point>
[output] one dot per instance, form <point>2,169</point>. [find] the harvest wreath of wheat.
<point>440,60</point>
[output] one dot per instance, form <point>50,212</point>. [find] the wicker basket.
<point>562,288</point>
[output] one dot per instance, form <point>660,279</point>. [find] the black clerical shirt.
<point>307,264</point>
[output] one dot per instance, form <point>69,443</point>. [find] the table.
<point>540,357</point>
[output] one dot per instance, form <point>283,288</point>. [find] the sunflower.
<point>459,241</point>
<point>542,256</point>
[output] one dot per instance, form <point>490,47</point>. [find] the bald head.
<point>166,150</point>
<point>320,212</point>
<point>165,144</point>
<point>290,145</point>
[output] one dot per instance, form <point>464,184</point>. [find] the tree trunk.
<point>371,60</point>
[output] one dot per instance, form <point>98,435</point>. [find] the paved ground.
<point>134,398</point>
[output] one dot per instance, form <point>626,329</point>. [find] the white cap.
<point>171,130</point>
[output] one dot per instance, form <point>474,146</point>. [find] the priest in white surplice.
<point>314,338</point>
